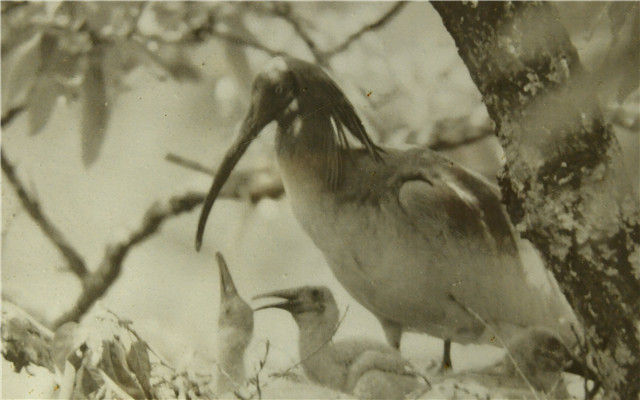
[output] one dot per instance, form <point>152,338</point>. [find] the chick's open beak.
<point>227,287</point>
<point>291,302</point>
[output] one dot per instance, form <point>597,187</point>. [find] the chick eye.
<point>279,89</point>
<point>315,293</point>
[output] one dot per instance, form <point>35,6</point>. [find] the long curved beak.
<point>251,126</point>
<point>290,296</point>
<point>227,287</point>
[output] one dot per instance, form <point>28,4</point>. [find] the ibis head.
<point>307,304</point>
<point>286,88</point>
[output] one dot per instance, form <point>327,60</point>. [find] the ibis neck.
<point>304,135</point>
<point>231,370</point>
<point>306,147</point>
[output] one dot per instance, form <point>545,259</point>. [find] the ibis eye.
<point>315,293</point>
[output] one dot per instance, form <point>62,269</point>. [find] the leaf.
<point>24,69</point>
<point>138,361</point>
<point>24,344</point>
<point>114,364</point>
<point>95,111</point>
<point>41,101</point>
<point>87,381</point>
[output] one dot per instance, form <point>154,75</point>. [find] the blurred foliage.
<point>101,358</point>
<point>84,51</point>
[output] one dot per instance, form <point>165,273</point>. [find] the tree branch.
<point>74,260</point>
<point>97,283</point>
<point>283,11</point>
<point>379,23</point>
<point>240,41</point>
<point>564,184</point>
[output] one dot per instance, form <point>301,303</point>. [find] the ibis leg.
<point>446,356</point>
<point>392,331</point>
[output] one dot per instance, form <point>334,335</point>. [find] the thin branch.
<point>190,164</point>
<point>283,11</point>
<point>499,339</point>
<point>379,23</point>
<point>240,41</point>
<point>75,261</point>
<point>11,114</point>
<point>97,283</point>
<point>262,363</point>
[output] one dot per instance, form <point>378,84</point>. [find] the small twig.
<point>263,362</point>
<point>11,114</point>
<point>240,41</point>
<point>190,164</point>
<point>97,283</point>
<point>199,33</point>
<point>283,11</point>
<point>75,261</point>
<point>379,23</point>
<point>499,339</point>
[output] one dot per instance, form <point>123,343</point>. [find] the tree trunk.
<point>563,182</point>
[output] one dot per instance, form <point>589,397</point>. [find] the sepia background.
<point>96,170</point>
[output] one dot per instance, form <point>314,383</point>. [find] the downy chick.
<point>358,366</point>
<point>541,357</point>
<point>235,329</point>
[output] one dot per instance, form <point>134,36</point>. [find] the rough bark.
<point>563,182</point>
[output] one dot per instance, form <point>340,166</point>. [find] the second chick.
<point>362,367</point>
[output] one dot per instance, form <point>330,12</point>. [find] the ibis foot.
<point>446,357</point>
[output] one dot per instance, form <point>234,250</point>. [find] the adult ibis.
<point>414,237</point>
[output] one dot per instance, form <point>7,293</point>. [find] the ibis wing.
<point>459,201</point>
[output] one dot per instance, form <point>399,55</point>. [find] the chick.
<point>358,366</point>
<point>540,356</point>
<point>235,330</point>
